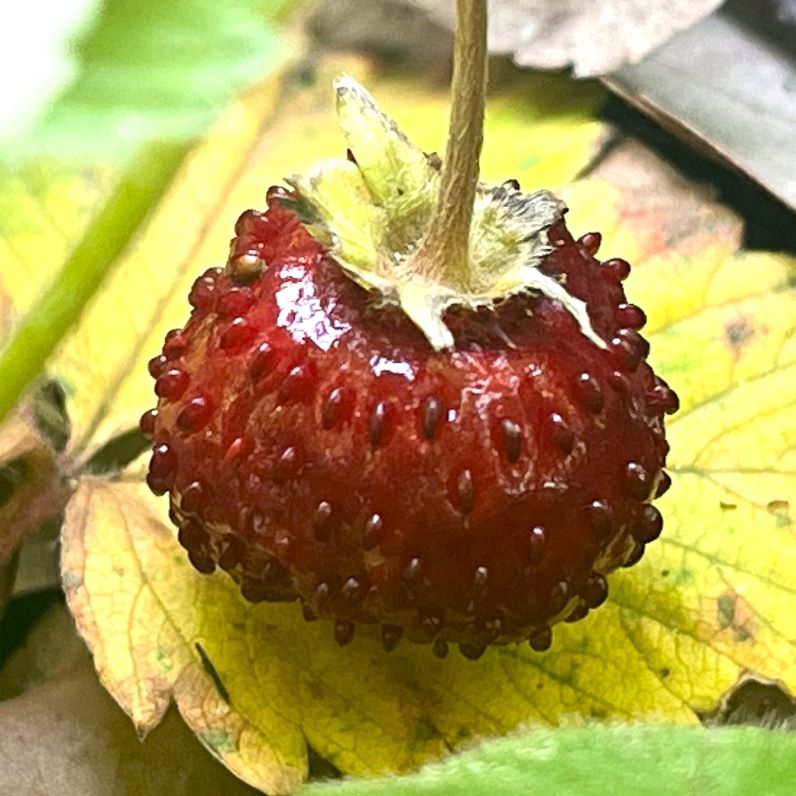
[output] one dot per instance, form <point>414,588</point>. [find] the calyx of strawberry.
<point>374,209</point>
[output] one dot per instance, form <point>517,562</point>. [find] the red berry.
<point>398,483</point>
<point>471,494</point>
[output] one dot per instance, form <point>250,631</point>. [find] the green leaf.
<point>160,73</point>
<point>642,760</point>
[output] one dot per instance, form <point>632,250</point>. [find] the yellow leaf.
<point>535,134</point>
<point>258,683</point>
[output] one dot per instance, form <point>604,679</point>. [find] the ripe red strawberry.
<point>318,445</point>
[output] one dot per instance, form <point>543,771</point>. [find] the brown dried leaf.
<point>594,37</point>
<point>68,737</point>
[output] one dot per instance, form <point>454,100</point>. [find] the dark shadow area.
<point>768,223</point>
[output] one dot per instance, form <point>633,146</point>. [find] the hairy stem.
<point>443,251</point>
<point>60,306</point>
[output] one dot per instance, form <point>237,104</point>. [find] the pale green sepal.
<point>373,212</point>
<point>399,176</point>
<point>345,218</point>
<point>509,229</point>
<point>528,278</point>
<point>425,305</point>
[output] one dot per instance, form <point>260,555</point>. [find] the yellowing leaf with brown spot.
<point>258,683</point>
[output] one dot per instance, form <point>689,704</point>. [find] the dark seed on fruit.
<point>238,334</point>
<point>479,587</point>
<point>254,590</point>
<point>203,294</point>
<point>637,481</point>
<point>192,498</point>
<point>591,242</point>
<point>512,439</point>
<point>390,636</point>
<point>172,384</point>
<point>541,639</point>
<point>233,551</point>
<point>176,344</point>
<point>287,464</point>
<point>555,236</point>
<point>635,556</point>
<point>235,302</point>
<point>353,591</point>
<point>602,518</point>
<point>276,194</point>
<point>192,535</point>
<point>663,399</point>
<point>322,594</point>
<point>430,626</point>
<point>577,613</point>
<point>245,267</point>
<point>237,449</point>
<point>492,629</point>
<point>616,269</point>
<point>590,393</point>
<point>308,614</point>
<point>202,561</point>
<point>440,648</point>
<point>330,410</point>
<point>619,381</point>
<point>413,571</point>
<point>553,493</point>
<point>247,222</point>
<point>629,348</point>
<point>194,414</point>
<point>377,423</point>
<point>343,632</point>
<point>297,386</point>
<point>558,598</point>
<point>595,590</point>
<point>664,483</point>
<point>472,650</point>
<point>371,533</point>
<point>650,524</point>
<point>636,341</point>
<point>157,365</point>
<point>162,469</point>
<point>432,410</point>
<point>262,361</point>
<point>536,544</point>
<point>630,316</point>
<point>322,524</point>
<point>465,491</point>
<point>147,422</point>
<point>561,434</point>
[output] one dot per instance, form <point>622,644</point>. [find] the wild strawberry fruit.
<point>454,452</point>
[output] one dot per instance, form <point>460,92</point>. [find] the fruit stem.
<point>444,251</point>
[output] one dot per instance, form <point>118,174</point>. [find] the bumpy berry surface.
<point>315,447</point>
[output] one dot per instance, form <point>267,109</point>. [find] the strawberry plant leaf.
<point>646,761</point>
